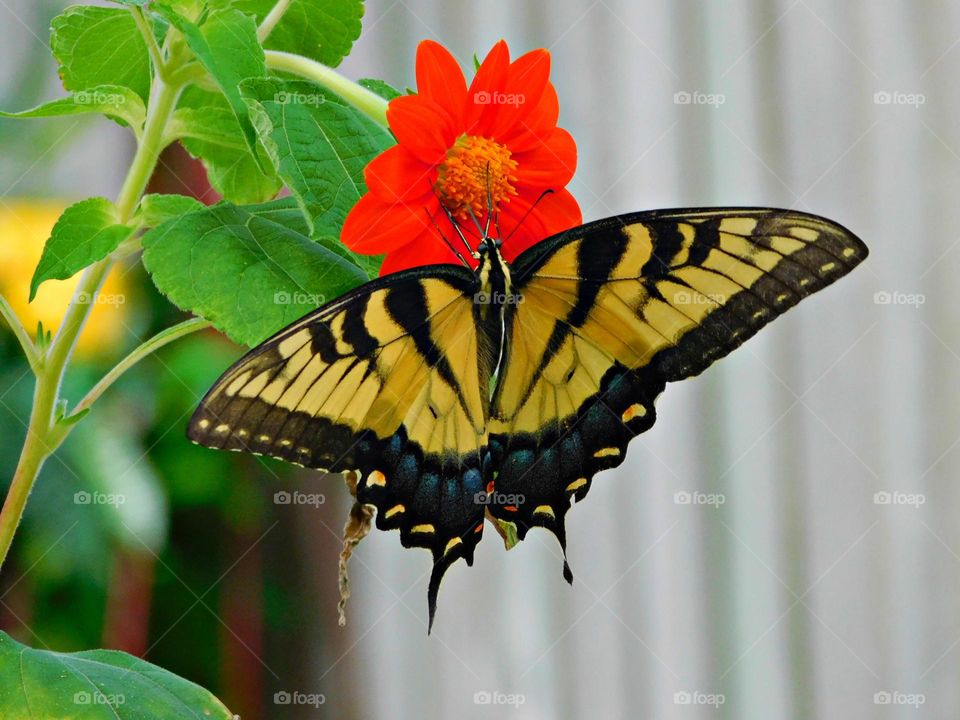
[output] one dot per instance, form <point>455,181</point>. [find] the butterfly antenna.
<point>476,222</point>
<point>527,213</point>
<point>486,225</point>
<point>456,226</point>
<point>446,241</point>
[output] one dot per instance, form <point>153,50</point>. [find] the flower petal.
<point>374,226</point>
<point>440,79</point>
<point>527,78</point>
<point>424,249</point>
<point>421,126</point>
<point>549,165</point>
<point>489,79</point>
<point>529,218</point>
<point>537,124</point>
<point>396,175</point>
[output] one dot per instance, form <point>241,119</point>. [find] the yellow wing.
<point>390,381</point>
<point>612,311</point>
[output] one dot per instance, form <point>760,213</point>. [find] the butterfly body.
<point>500,392</point>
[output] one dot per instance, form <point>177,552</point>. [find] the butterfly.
<point>455,394</point>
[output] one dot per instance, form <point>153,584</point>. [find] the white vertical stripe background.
<point>799,597</point>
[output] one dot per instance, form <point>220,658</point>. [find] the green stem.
<point>369,103</point>
<point>29,349</point>
<point>156,55</point>
<point>150,346</point>
<point>271,20</point>
<point>44,432</point>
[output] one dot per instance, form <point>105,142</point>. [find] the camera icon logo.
<point>482,697</point>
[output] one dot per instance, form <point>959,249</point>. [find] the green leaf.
<point>95,684</point>
<point>370,264</point>
<point>227,46</point>
<point>248,270</point>
<point>100,46</point>
<point>211,132</point>
<point>319,144</point>
<point>320,29</point>
<point>113,101</point>
<point>86,232</point>
<point>387,92</point>
<point>156,208</point>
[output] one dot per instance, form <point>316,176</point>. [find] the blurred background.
<point>782,544</point>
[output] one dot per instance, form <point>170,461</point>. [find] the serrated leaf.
<point>210,132</point>
<point>319,144</point>
<point>379,87</point>
<point>86,232</point>
<point>370,264</point>
<point>157,208</point>
<point>95,684</point>
<point>227,46</point>
<point>113,101</point>
<point>323,30</point>
<point>100,46</point>
<point>248,270</point>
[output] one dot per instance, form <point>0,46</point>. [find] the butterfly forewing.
<point>385,381</point>
<point>612,311</point>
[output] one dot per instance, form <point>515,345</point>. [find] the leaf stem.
<point>162,338</point>
<point>29,349</point>
<point>271,20</point>
<point>44,432</point>
<point>367,102</point>
<point>148,37</point>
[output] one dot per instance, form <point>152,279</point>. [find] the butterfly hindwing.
<point>610,312</point>
<point>389,381</point>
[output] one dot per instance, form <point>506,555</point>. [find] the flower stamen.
<point>476,171</point>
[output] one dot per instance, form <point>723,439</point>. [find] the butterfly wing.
<point>611,311</point>
<point>389,381</point>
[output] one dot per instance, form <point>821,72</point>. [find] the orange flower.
<point>463,147</point>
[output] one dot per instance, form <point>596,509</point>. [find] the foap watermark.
<point>82,497</point>
<point>694,298</point>
<point>482,97</point>
<point>499,499</point>
<point>696,97</point>
<point>297,98</point>
<point>497,298</point>
<point>298,298</point>
<point>296,697</point>
<point>896,97</point>
<point>495,697</point>
<point>115,299</point>
<point>282,497</point>
<point>98,698</point>
<point>896,497</point>
<point>895,297</point>
<point>694,497</point>
<point>695,697</point>
<point>895,697</point>
<point>98,97</point>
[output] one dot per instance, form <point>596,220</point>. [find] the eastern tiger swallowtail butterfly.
<point>456,394</point>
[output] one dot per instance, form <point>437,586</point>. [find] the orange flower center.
<point>475,169</point>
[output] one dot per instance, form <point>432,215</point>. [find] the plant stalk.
<point>44,432</point>
<point>367,102</point>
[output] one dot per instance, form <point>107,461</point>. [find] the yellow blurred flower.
<point>25,226</point>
